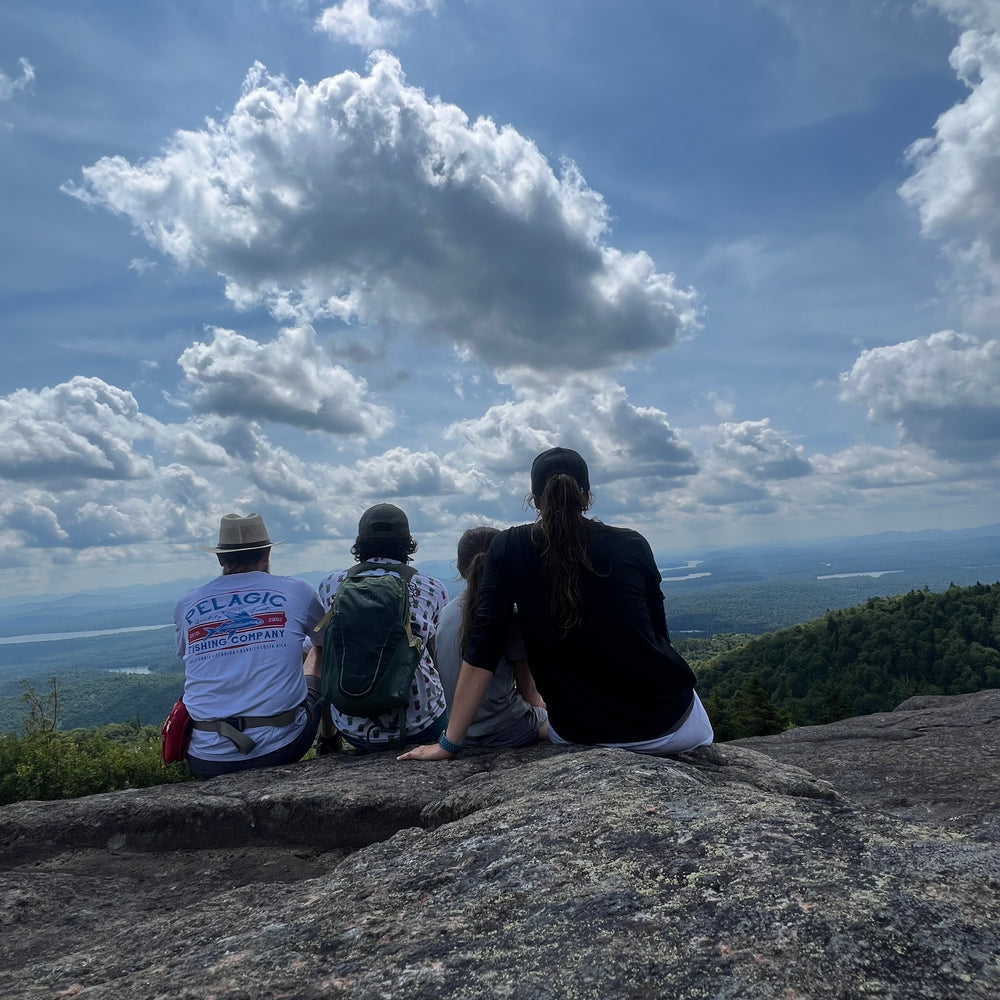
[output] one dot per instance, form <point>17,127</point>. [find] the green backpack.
<point>369,650</point>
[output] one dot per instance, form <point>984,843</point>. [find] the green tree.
<point>753,712</point>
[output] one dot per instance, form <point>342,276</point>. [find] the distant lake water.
<point>56,636</point>
<point>875,574</point>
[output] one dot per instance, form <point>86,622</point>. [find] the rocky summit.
<point>856,860</point>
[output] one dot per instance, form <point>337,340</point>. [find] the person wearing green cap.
<point>384,545</point>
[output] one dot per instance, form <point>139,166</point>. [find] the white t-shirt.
<point>241,637</point>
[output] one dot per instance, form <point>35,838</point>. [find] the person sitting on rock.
<point>384,545</point>
<point>252,693</point>
<point>591,610</point>
<point>512,713</point>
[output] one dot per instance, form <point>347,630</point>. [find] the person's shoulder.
<point>454,607</point>
<point>293,583</point>
<point>620,538</point>
<point>332,579</point>
<point>602,530</point>
<point>431,585</point>
<point>329,584</point>
<point>516,536</point>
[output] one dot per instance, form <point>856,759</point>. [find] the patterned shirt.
<point>427,702</point>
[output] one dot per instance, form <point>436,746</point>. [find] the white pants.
<point>695,732</point>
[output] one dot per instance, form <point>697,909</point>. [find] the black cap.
<point>384,521</point>
<point>555,461</point>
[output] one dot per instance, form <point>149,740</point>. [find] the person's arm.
<point>312,666</point>
<point>526,683</point>
<point>469,694</point>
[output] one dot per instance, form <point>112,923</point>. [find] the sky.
<point>298,258</point>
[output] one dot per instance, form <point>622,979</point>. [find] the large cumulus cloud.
<point>620,441</point>
<point>63,435</point>
<point>290,381</point>
<point>360,198</point>
<point>956,180</point>
<point>742,465</point>
<point>938,391</point>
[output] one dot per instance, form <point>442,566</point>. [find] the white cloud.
<point>866,467</point>
<point>11,85</point>
<point>955,185</point>
<point>290,380</point>
<point>142,265</point>
<point>401,472</point>
<point>742,464</point>
<point>754,447</point>
<point>981,15</point>
<point>370,23</point>
<point>33,520</point>
<point>81,467</point>
<point>169,506</point>
<point>80,430</point>
<point>938,391</point>
<point>362,200</point>
<point>619,440</point>
<point>251,457</point>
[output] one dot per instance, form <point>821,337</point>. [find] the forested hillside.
<point>857,661</point>
<point>863,659</point>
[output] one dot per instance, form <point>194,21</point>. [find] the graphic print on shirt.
<point>235,620</point>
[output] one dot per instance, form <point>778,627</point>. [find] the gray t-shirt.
<point>504,718</point>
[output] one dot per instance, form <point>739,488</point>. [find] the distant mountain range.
<point>838,571</point>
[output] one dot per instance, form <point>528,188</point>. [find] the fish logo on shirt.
<point>237,620</point>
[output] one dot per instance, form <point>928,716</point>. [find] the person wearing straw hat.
<point>253,694</point>
<point>591,610</point>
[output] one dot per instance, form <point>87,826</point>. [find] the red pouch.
<point>175,734</point>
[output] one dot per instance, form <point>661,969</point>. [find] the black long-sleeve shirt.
<point>615,678</point>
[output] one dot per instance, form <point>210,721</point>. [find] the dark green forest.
<point>856,661</point>
<point>98,681</point>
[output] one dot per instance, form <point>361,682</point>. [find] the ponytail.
<point>561,534</point>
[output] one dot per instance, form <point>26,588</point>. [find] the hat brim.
<point>240,548</point>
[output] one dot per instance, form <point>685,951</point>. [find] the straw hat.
<point>241,534</point>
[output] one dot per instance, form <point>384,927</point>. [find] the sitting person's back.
<point>512,713</point>
<point>253,696</point>
<point>384,546</point>
<point>591,610</point>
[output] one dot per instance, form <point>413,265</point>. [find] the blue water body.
<point>56,636</point>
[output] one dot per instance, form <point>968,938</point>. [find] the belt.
<point>232,728</point>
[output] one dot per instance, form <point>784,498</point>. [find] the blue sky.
<point>299,258</point>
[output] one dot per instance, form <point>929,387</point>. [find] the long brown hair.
<point>472,548</point>
<point>561,533</point>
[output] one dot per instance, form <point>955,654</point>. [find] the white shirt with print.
<point>427,702</point>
